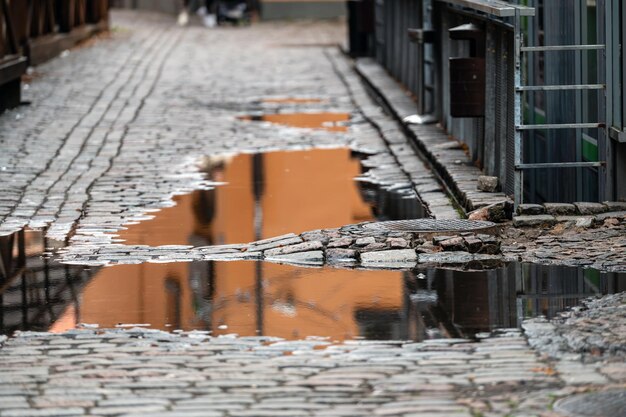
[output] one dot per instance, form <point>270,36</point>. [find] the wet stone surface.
<point>594,331</point>
<point>85,167</point>
<point>139,371</point>
<point>87,159</point>
<point>468,250</point>
<point>601,244</point>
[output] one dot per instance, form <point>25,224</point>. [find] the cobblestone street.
<point>143,372</point>
<point>119,127</point>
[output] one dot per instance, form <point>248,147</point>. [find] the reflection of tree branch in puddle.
<point>270,299</point>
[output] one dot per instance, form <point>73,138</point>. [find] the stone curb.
<point>577,219</point>
<point>445,154</point>
<point>573,209</point>
<point>431,193</point>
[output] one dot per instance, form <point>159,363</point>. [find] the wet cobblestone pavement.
<point>148,372</point>
<point>134,139</point>
<point>601,246</point>
<point>118,129</point>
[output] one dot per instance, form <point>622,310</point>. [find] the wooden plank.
<point>2,40</point>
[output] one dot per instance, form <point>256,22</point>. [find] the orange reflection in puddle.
<point>287,191</point>
<point>66,322</point>
<point>332,122</point>
<point>241,297</point>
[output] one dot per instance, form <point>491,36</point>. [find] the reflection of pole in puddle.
<point>34,290</point>
<point>12,263</point>
<point>427,318</point>
<point>257,188</point>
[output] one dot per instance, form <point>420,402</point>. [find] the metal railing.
<point>520,89</point>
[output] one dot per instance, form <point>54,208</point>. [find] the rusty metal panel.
<point>467,87</point>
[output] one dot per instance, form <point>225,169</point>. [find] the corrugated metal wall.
<point>489,139</point>
<point>394,50</point>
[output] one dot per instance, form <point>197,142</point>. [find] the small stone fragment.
<point>309,257</point>
<point>364,241</point>
<point>445,258</point>
<point>530,209</point>
<point>490,249</point>
<point>389,256</point>
<point>584,222</point>
<point>560,208</point>
<point>615,205</point>
<point>300,247</point>
<point>473,244</point>
<point>341,255</point>
<point>488,184</point>
<point>342,242</point>
<point>397,243</point>
<point>481,214</point>
<point>438,239</point>
<point>532,221</point>
<point>590,208</point>
<point>316,235</point>
<point>454,244</point>
<point>498,212</point>
<point>375,246</point>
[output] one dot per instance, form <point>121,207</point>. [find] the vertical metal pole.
<point>24,290</point>
<point>605,182</point>
<point>21,249</point>
<point>1,313</point>
<point>46,281</point>
<point>518,173</point>
<point>258,188</point>
<point>580,19</point>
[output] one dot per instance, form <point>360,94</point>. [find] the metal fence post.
<point>519,174</point>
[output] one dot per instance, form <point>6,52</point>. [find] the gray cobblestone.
<point>96,162</point>
<point>215,376</point>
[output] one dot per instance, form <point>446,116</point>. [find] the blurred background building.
<point>270,9</point>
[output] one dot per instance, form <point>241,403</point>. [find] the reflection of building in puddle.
<point>251,298</point>
<point>265,195</point>
<point>268,195</point>
<point>332,122</point>
<point>502,298</point>
<point>293,302</point>
<point>35,291</point>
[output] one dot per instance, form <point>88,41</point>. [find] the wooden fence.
<point>33,31</point>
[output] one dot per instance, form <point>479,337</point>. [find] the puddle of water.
<point>252,298</point>
<point>269,195</point>
<point>332,122</point>
<point>266,195</point>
